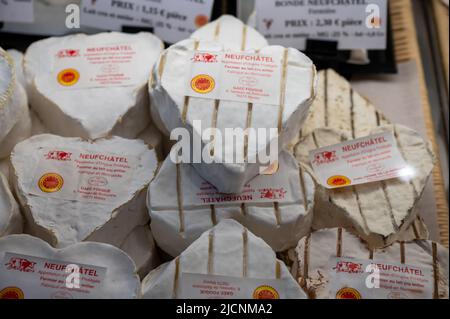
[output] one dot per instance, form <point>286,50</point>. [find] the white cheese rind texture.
<point>179,213</point>
<point>382,211</point>
<point>13,102</point>
<point>232,33</point>
<point>18,63</point>
<point>228,249</point>
<point>11,221</point>
<point>314,252</point>
<point>141,248</point>
<point>63,222</point>
<point>21,131</point>
<point>121,280</point>
<point>169,110</point>
<point>92,112</point>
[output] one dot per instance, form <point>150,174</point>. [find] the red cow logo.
<point>348,267</point>
<point>273,193</point>
<point>205,58</point>
<point>68,53</point>
<point>325,157</point>
<point>20,264</point>
<point>58,156</point>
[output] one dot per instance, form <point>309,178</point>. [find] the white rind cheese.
<point>172,109</point>
<point>17,56</point>
<point>120,281</point>
<point>379,211</point>
<point>64,220</point>
<point>228,249</point>
<point>340,107</point>
<point>140,246</point>
<point>13,105</point>
<point>91,112</point>
<point>315,250</point>
<point>232,33</point>
<point>11,221</point>
<point>21,131</point>
<point>277,208</point>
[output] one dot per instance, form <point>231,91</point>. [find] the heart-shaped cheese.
<point>228,249</point>
<point>379,211</point>
<point>21,131</point>
<point>277,208</point>
<point>73,190</point>
<point>340,107</point>
<point>232,33</point>
<point>315,251</point>
<point>76,96</point>
<point>11,221</point>
<point>119,281</point>
<point>172,109</point>
<point>13,105</point>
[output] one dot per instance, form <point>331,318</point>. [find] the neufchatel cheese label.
<point>364,160</point>
<point>235,76</point>
<point>80,175</point>
<point>199,286</point>
<point>81,67</point>
<point>374,279</point>
<point>30,277</point>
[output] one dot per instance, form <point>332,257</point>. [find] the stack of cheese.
<point>290,98</point>
<point>72,191</point>
<point>383,211</point>
<point>15,122</point>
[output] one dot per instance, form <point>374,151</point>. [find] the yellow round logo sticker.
<point>203,84</point>
<point>265,292</point>
<point>51,183</point>
<point>339,181</point>
<point>348,293</point>
<point>12,293</point>
<point>68,77</point>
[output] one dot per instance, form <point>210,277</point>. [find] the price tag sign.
<point>17,11</point>
<point>354,24</point>
<point>172,20</point>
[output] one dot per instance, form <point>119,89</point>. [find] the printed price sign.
<point>364,160</point>
<point>17,11</point>
<point>367,279</point>
<point>354,24</point>
<point>29,277</point>
<point>172,20</point>
<point>197,286</point>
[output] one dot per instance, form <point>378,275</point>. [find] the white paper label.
<point>364,160</point>
<point>367,279</point>
<point>241,77</point>
<point>108,65</point>
<point>28,277</point>
<point>80,175</point>
<point>281,187</point>
<point>197,286</point>
<point>172,20</point>
<point>355,24</point>
<point>17,11</point>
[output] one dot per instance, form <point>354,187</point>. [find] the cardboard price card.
<point>29,277</point>
<point>197,286</point>
<point>21,11</point>
<point>354,24</point>
<point>172,20</point>
<point>364,160</point>
<point>368,279</point>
